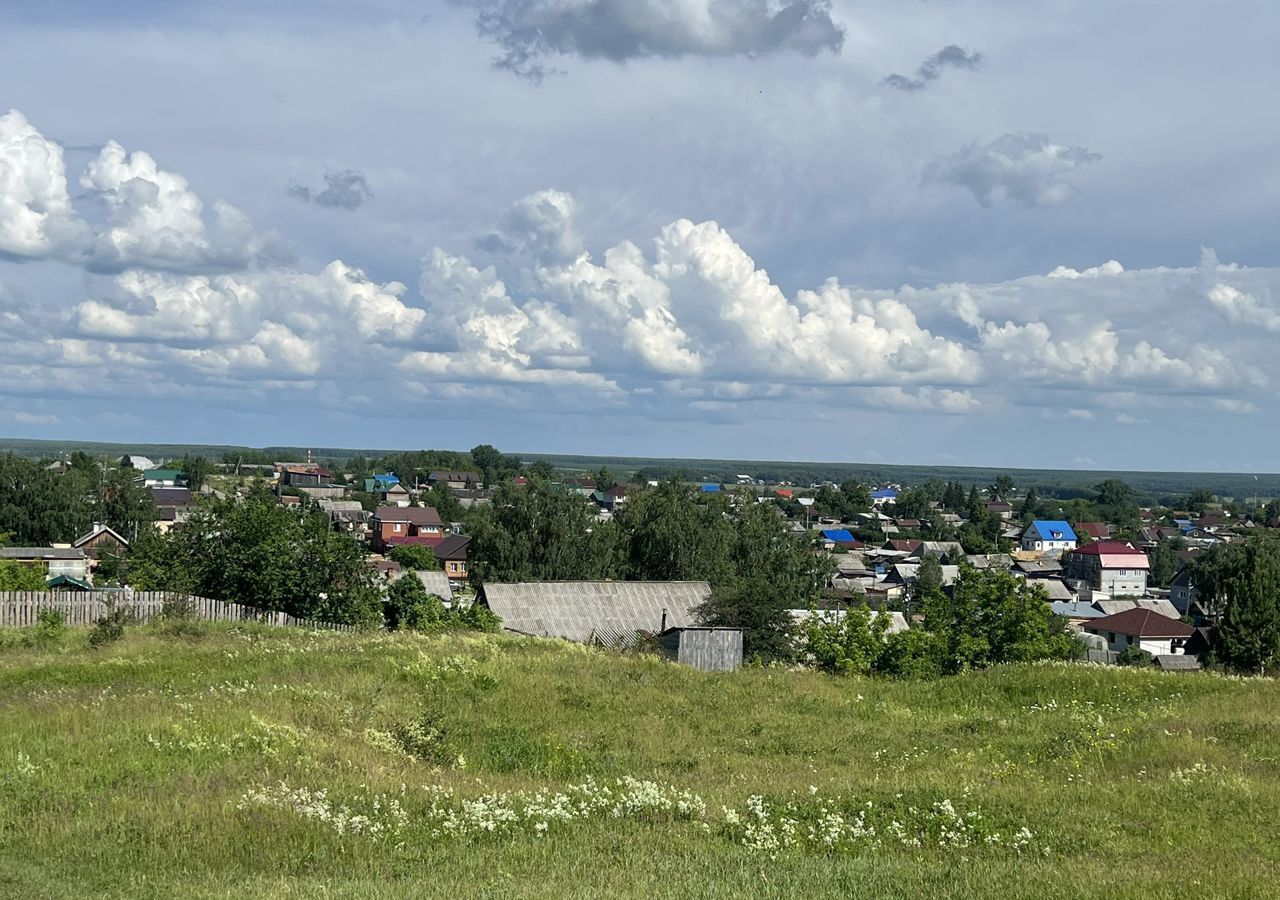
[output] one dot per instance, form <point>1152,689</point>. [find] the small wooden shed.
<point>707,649</point>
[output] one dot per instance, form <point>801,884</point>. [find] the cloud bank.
<point>529,33</point>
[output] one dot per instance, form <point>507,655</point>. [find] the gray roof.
<point>575,610</point>
<point>909,572</point>
<point>436,582</point>
<point>1056,588</point>
<point>1177,661</point>
<point>41,553</point>
<point>1163,607</point>
<point>1075,610</point>
<point>990,560</point>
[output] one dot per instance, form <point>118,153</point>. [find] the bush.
<point>50,630</point>
<point>477,617</point>
<point>912,654</point>
<point>414,557</point>
<point>409,606</point>
<point>178,618</point>
<point>425,738</point>
<point>110,628</point>
<point>1134,656</point>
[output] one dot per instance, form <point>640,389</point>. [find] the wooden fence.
<point>21,609</point>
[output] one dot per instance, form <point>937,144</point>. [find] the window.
<point>396,528</point>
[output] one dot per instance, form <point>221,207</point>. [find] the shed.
<point>576,610</point>
<point>436,582</point>
<point>706,649</point>
<point>1177,662</point>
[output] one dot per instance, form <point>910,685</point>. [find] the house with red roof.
<point>1158,635</point>
<point>1097,531</point>
<point>1113,567</point>
<point>394,525</point>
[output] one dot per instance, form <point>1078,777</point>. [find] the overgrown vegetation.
<point>283,763</point>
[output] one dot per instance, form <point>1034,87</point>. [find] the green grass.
<point>123,771</point>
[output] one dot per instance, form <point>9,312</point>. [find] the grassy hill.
<point>153,768</point>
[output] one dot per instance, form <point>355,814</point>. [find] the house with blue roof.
<point>710,488</point>
<point>883,495</point>
<point>838,537</point>
<point>1049,537</point>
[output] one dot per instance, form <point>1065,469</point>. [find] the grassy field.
<point>152,768</point>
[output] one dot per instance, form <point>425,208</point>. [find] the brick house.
<point>394,525</point>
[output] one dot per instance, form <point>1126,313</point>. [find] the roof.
<point>1177,662</point>
<point>903,545</point>
<point>1075,609</point>
<point>1109,548</point>
<point>172,496</point>
<point>41,553</point>
<point>909,572</point>
<point>884,494</point>
<point>453,547</point>
<point>1052,530</point>
<point>710,488</point>
<point>436,582</point>
<point>576,609</point>
<point>63,581</point>
<point>1163,607</point>
<point>1141,623</point>
<point>839,535</point>
<point>1056,588</point>
<point>785,492</point>
<point>415,515</point>
<point>452,475</point>
<point>162,474</point>
<point>1038,566</point>
<point>97,530</point>
<point>387,478</point>
<point>1096,530</point>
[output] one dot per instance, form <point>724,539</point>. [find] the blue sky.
<point>647,227</point>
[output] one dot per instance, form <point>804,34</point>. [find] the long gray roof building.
<point>595,611</point>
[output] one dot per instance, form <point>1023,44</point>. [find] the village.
<point>1121,582</point>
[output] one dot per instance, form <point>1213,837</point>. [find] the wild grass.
<point>232,762</point>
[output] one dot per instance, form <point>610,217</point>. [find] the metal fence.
<point>21,609</point>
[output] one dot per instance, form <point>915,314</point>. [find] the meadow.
<point>216,761</point>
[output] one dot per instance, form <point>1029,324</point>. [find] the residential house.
<point>1076,612</point>
<point>452,554</point>
<point>1048,538</point>
<point>99,538</point>
<point>1114,567</point>
<point>1002,561</point>
<point>839,537</point>
<point>1000,508</point>
<point>1056,590</point>
<point>1096,531</point>
<point>437,584</point>
<point>162,478</point>
<point>394,525</point>
<point>52,561</point>
<point>1142,628</point>
<point>909,547</point>
<point>883,496</point>
<point>1038,568</point>
<point>1184,597</point>
<point>612,499</point>
<point>456,480</point>
<point>1110,607</point>
<point>174,505</point>
<point>304,475</point>
<point>939,549</point>
<point>596,612</point>
<point>905,573</point>
<point>346,515</point>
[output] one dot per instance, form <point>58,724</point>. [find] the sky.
<point>983,232</point>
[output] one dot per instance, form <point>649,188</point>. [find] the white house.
<point>1114,567</point>
<point>1048,538</point>
<point>1158,635</point>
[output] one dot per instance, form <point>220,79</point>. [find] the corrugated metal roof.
<point>436,582</point>
<point>1053,530</point>
<point>576,610</point>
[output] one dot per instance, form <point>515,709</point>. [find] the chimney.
<point>664,622</point>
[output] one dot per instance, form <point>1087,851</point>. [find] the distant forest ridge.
<point>1059,482</point>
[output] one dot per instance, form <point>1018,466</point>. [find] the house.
<point>452,554</point>
<point>379,483</point>
<point>1076,612</point>
<point>710,488</point>
<point>52,561</point>
<point>437,584</point>
<point>394,525</point>
<point>1182,591</point>
<point>883,496</point>
<point>839,537</point>
<point>177,501</point>
<point>905,573</point>
<point>306,475</point>
<point>1111,607</point>
<point>456,480</point>
<point>939,549</point>
<point>1097,531</point>
<point>612,499</point>
<point>162,478</point>
<point>346,515</point>
<point>906,547</point>
<point>1142,628</point>
<point>1114,567</point>
<point>393,494</point>
<point>1001,561</point>
<point>1056,590</point>
<point>99,538</point>
<point>705,649</point>
<point>1000,508</point>
<point>1048,537</point>
<point>596,612</point>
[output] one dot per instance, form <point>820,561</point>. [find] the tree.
<point>264,555</point>
<point>126,462</point>
<point>994,617</point>
<point>409,606</point>
<point>542,470</point>
<point>123,503</point>
<point>673,533</point>
<point>196,470</point>
<point>16,577</point>
<point>1112,492</point>
<point>1003,487</point>
<point>605,480</point>
<point>766,623</point>
<point>927,588</point>
<point>857,497</point>
<point>850,644</point>
<point>1030,503</point>
<point>414,557</point>
<point>1244,579</point>
<point>494,466</point>
<point>1198,499</point>
<point>1164,564</point>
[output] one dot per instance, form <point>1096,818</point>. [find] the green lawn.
<point>152,768</point>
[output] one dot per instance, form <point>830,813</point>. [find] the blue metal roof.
<point>387,479</point>
<point>1051,530</point>
<point>839,535</point>
<point>884,494</point>
<point>1075,609</point>
<point>710,488</point>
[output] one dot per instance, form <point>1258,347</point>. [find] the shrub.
<point>51,628</point>
<point>477,617</point>
<point>1134,656</point>
<point>178,617</point>
<point>425,738</point>
<point>410,606</point>
<point>110,628</point>
<point>414,557</point>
